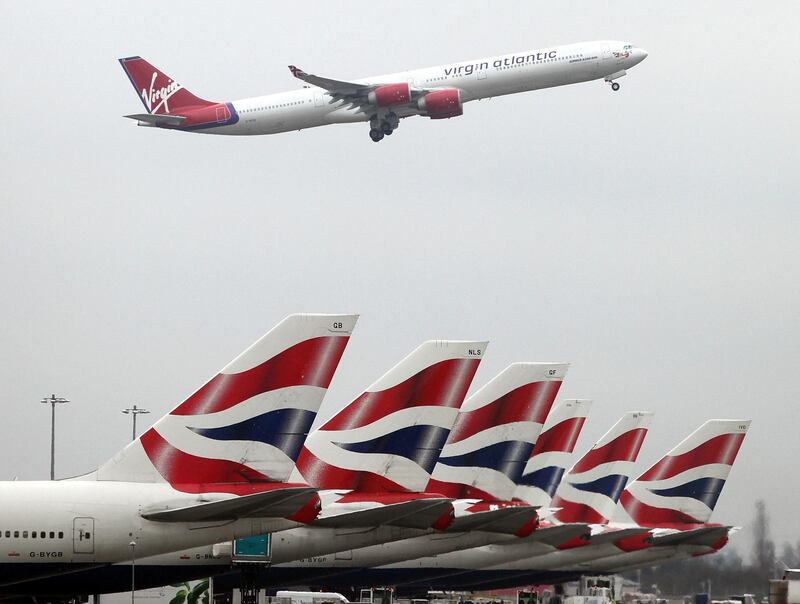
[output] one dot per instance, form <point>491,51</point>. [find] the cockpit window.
<point>627,47</point>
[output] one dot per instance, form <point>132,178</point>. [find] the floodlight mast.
<point>53,400</point>
<point>134,411</point>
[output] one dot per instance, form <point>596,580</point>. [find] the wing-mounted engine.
<point>441,104</point>
<point>379,101</point>
<point>390,95</point>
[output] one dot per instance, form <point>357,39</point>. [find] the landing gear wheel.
<point>386,128</point>
<point>614,86</point>
<point>376,135</point>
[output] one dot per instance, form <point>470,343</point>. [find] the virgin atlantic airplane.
<point>435,92</point>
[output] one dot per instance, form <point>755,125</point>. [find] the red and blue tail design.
<point>247,424</point>
<point>684,486</point>
<point>550,456</point>
<point>162,96</point>
<point>590,490</point>
<point>495,431</point>
<point>388,439</point>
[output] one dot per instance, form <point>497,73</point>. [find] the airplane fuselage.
<point>56,526</point>
<point>313,106</point>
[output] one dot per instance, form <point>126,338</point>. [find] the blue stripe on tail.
<point>284,429</point>
<point>705,490</point>
<point>420,444</point>
<point>546,479</point>
<point>507,457</point>
<point>611,486</point>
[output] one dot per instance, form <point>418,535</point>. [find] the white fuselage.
<point>90,522</point>
<point>483,78</point>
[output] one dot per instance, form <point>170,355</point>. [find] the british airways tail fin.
<point>550,456</point>
<point>159,93</point>
<point>495,431</point>
<point>248,422</point>
<point>684,486</point>
<point>389,438</point>
<point>590,490</point>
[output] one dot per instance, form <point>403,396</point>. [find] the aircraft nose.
<point>642,54</point>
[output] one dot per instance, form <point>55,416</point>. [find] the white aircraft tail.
<point>247,424</point>
<point>388,439</point>
<point>495,431</point>
<point>683,487</point>
<point>590,490</point>
<point>550,456</point>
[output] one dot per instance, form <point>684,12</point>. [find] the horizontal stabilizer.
<point>612,536</point>
<point>707,535</point>
<point>277,503</point>
<point>508,520</point>
<point>157,119</point>
<point>418,514</point>
<point>560,533</point>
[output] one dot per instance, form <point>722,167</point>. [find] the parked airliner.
<point>435,92</point>
<point>212,469</point>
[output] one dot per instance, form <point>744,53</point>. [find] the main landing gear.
<point>380,127</point>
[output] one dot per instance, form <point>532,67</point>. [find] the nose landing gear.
<point>614,86</point>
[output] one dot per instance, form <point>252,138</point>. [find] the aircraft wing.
<point>508,520</point>
<point>337,87</point>
<point>277,503</point>
<point>351,92</point>
<point>157,120</point>
<point>611,536</point>
<point>418,513</point>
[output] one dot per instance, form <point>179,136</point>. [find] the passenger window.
<point>60,534</point>
<point>33,535</point>
<point>52,534</point>
<point>8,534</point>
<point>16,534</point>
<point>24,534</point>
<point>87,535</point>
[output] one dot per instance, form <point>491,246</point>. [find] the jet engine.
<point>390,94</point>
<point>441,104</point>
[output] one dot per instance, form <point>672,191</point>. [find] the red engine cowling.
<point>390,94</point>
<point>441,104</point>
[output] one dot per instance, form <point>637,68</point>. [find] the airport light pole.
<point>134,411</point>
<point>132,545</point>
<point>53,400</point>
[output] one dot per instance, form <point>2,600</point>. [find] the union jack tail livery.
<point>246,425</point>
<point>388,439</point>
<point>591,489</point>
<point>550,455</point>
<point>683,487</point>
<point>495,431</point>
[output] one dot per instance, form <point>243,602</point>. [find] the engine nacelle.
<point>441,104</point>
<point>390,94</point>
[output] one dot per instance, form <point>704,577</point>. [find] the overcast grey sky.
<point>647,236</point>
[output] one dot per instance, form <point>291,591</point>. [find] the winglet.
<point>297,72</point>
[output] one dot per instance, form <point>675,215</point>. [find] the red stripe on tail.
<point>443,384</point>
<point>721,449</point>
<point>528,403</point>
<point>309,363</point>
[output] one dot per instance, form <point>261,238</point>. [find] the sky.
<point>647,236</point>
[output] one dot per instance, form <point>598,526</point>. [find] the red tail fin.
<point>159,92</point>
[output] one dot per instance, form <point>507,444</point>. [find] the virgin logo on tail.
<point>163,93</point>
